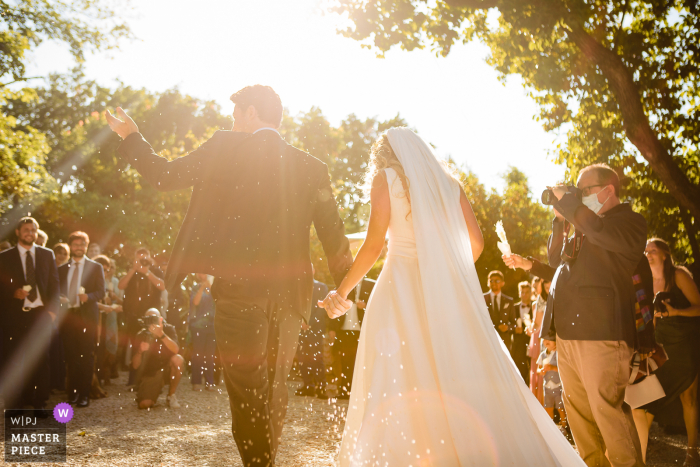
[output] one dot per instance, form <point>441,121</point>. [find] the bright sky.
<point>210,49</point>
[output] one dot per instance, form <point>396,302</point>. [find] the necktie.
<point>31,277</point>
<point>495,304</point>
<point>73,287</point>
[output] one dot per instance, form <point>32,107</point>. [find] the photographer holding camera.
<point>142,287</point>
<point>156,360</point>
<point>591,311</point>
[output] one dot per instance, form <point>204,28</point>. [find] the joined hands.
<point>335,304</point>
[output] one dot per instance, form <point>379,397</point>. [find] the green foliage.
<point>83,25</point>
<point>657,42</point>
<point>526,222</point>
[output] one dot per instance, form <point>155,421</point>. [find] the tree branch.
<point>635,121</point>
<point>2,85</point>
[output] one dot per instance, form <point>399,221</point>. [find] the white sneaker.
<point>172,402</point>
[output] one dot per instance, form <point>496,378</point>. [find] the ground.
<point>113,432</point>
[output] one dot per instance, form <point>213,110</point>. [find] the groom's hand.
<point>335,305</point>
<point>123,127</point>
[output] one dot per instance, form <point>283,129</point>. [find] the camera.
<point>146,262</point>
<point>659,299</point>
<point>549,199</point>
<point>144,334</point>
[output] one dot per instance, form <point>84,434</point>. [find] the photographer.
<point>591,308</point>
<point>156,361</point>
<point>142,287</point>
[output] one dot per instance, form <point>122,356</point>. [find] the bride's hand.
<point>335,304</point>
<point>122,128</point>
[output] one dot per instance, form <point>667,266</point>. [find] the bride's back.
<point>402,240</point>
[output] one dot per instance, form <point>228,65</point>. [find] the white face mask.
<point>592,203</point>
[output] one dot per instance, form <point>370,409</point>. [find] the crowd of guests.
<point>71,324</point>
<point>93,323</point>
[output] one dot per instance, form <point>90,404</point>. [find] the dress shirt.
<point>73,270</point>
<point>496,299</point>
<point>23,256</point>
<point>266,128</point>
<point>525,311</point>
<point>352,319</point>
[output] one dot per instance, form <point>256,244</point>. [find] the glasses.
<point>493,281</point>
<point>587,190</point>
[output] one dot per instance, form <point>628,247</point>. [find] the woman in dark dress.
<point>678,330</point>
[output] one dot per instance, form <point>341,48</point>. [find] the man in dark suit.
<point>82,285</point>
<point>29,301</point>
<point>346,332</point>
<point>500,308</point>
<point>591,308</point>
<point>521,340</point>
<point>255,198</point>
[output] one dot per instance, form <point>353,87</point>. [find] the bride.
<point>433,384</point>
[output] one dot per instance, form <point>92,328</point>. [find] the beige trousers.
<point>594,376</point>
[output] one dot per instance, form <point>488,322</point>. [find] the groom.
<point>248,224</point>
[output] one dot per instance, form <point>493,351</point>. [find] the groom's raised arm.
<point>163,174</point>
<point>331,231</point>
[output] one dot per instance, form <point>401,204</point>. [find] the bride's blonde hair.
<point>382,157</point>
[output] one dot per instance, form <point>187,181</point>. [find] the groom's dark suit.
<point>248,224</point>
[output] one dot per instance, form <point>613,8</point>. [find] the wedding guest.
<point>29,301</point>
<point>521,333</point>
<point>41,238</point>
<point>677,329</point>
<point>62,254</point>
<point>158,363</point>
<point>346,332</point>
<point>201,323</point>
<point>547,366</point>
<point>5,245</point>
<point>94,250</point>
<point>110,307</point>
<point>310,353</point>
<point>83,284</point>
<point>57,360</point>
<point>500,308</point>
<point>591,308</point>
<point>541,286</point>
<point>142,286</point>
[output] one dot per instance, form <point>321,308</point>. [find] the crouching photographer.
<point>156,360</point>
<point>591,311</point>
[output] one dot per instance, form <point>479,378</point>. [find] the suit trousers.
<point>79,345</point>
<point>520,357</point>
<point>594,377</point>
<point>25,371</point>
<point>345,350</point>
<point>256,344</point>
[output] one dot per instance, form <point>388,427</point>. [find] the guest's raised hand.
<point>517,261</point>
<point>123,127</point>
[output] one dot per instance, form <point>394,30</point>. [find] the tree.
<point>621,76</point>
<point>81,24</point>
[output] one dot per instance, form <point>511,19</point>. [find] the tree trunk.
<point>635,121</point>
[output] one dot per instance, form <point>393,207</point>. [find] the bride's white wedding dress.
<point>433,384</point>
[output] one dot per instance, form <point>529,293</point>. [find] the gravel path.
<point>113,432</point>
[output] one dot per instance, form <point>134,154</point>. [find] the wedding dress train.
<point>433,384</point>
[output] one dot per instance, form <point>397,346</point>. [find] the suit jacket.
<point>365,291</point>
<point>593,297</point>
<point>253,202</point>
<point>12,278</point>
<point>505,316</point>
<point>93,279</point>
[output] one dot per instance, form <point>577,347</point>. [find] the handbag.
<point>644,386</point>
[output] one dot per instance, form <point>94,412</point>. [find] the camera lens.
<point>548,197</point>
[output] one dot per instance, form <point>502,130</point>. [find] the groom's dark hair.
<point>264,99</point>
